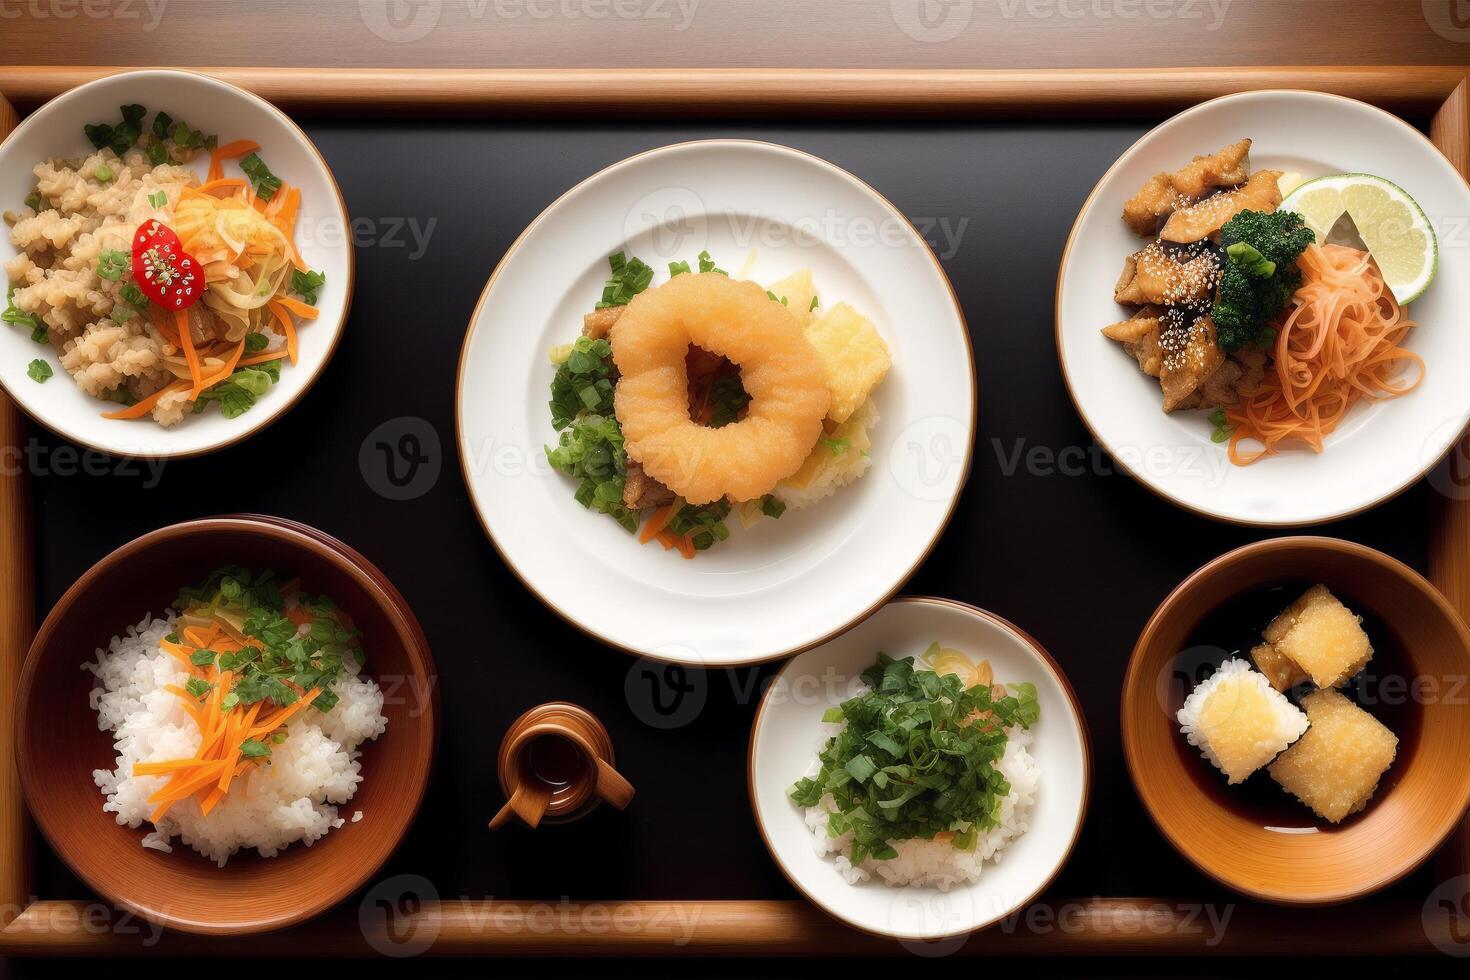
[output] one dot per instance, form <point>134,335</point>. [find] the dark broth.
<point>1386,689</point>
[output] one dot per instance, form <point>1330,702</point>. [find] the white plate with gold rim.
<point>210,106</point>
<point>763,211</point>
<point>1380,449</point>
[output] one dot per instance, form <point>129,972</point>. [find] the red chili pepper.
<point>162,269</point>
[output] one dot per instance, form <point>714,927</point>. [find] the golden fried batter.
<point>1201,220</point>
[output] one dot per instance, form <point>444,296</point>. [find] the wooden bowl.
<point>59,744</point>
<point>1253,836</point>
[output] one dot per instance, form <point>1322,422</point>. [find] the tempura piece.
<point>1238,722</point>
<point>1322,637</point>
<point>1198,221</point>
<point>1280,670</point>
<point>854,356</point>
<point>1159,275</point>
<point>1336,766</point>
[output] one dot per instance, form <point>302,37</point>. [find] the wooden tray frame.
<point>1092,926</point>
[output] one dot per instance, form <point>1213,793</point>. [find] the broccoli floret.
<point>1259,276</point>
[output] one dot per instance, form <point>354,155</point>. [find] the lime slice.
<point>1392,226</point>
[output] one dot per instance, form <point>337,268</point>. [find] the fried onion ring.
<point>779,369</point>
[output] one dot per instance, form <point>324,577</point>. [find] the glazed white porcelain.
<point>789,732</point>
<point>322,235</point>
<point>1380,449</point>
<point>762,211</point>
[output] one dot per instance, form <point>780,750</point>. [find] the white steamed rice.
<point>939,863</point>
<point>294,798</point>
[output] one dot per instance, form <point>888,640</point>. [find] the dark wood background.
<point>736,33</point>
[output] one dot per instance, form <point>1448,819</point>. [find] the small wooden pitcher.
<point>556,765</point>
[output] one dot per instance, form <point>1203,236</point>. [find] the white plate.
<point>211,106</point>
<point>1380,449</point>
<point>783,585</point>
<point>788,733</point>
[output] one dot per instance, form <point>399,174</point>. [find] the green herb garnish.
<point>707,264</point>
<point>113,263</point>
<point>629,278</point>
<point>237,393</point>
<point>1223,429</point>
<point>158,199</point>
<point>198,687</point>
<point>39,371</point>
<point>306,284</point>
<point>253,748</point>
<point>916,758</point>
<point>265,183</point>
<point>16,317</point>
<point>103,173</point>
<point>591,450</point>
<point>583,382</point>
<point>772,506</point>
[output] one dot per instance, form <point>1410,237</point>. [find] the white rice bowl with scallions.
<point>295,797</point>
<point>938,863</point>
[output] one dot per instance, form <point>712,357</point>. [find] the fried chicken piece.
<point>1191,355</point>
<point>1158,275</point>
<point>1164,193</point>
<point>1139,335</point>
<point>1198,221</point>
<point>1156,199</point>
<point>597,323</point>
<point>642,491</point>
<point>1228,168</point>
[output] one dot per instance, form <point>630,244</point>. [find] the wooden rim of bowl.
<point>381,591</point>
<point>1134,689</point>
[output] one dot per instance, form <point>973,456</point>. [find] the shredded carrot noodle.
<point>1337,344</point>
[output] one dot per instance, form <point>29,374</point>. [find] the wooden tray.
<point>1398,923</point>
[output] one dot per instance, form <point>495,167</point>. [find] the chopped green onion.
<point>112,263</point>
<point>158,198</point>
<point>265,183</point>
<point>103,173</point>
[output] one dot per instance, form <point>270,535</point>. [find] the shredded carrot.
<point>1337,344</point>
<point>230,151</point>
<point>657,522</point>
<point>296,306</point>
<point>186,341</point>
<point>143,406</point>
<point>223,373</point>
<point>223,183</point>
<point>274,355</point>
<point>279,312</point>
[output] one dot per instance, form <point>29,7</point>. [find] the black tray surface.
<point>1078,558</point>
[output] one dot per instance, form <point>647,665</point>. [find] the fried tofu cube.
<point>854,356</point>
<point>1282,672</point>
<point>1335,767</point>
<point>799,294</point>
<point>1322,637</point>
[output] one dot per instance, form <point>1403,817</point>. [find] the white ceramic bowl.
<point>211,106</point>
<point>1379,449</point>
<point>763,211</point>
<point>788,734</point>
